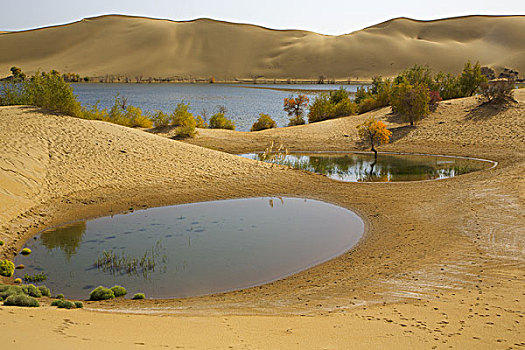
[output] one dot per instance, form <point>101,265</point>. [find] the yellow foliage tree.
<point>374,132</point>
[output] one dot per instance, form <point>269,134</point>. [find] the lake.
<point>243,102</point>
<point>192,249</point>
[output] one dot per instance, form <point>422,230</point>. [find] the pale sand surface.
<point>144,47</point>
<point>441,264</point>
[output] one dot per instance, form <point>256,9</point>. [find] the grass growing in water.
<point>39,277</point>
<point>115,263</point>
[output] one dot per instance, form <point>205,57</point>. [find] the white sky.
<point>322,16</point>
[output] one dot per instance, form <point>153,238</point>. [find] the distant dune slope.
<point>135,46</point>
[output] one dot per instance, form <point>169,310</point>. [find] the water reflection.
<point>359,167</point>
<point>67,238</point>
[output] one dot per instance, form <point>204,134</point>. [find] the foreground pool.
<point>362,167</point>
<point>192,249</point>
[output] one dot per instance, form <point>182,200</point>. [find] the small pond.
<point>362,167</point>
<point>192,249</point>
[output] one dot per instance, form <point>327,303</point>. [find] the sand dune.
<point>143,47</point>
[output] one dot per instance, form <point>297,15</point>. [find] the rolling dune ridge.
<point>142,47</point>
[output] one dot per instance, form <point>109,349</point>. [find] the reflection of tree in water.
<point>65,238</point>
<point>364,168</point>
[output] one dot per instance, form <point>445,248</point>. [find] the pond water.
<point>243,102</point>
<point>362,167</point>
<point>192,249</point>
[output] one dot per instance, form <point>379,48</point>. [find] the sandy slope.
<point>142,47</point>
<point>442,262</point>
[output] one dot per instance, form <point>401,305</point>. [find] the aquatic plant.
<point>119,291</point>
<point>101,293</point>
<point>115,263</point>
<point>7,268</point>
<point>21,300</point>
<point>138,296</point>
<point>39,277</point>
<point>25,251</point>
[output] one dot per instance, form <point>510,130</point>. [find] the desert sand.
<point>441,264</point>
<point>139,48</point>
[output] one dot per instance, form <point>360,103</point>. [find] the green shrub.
<point>296,120</point>
<point>264,122</point>
<point>184,121</point>
<point>7,268</point>
<point>51,91</point>
<point>101,293</point>
<point>25,251</point>
<point>79,304</point>
<point>160,119</point>
<point>201,122</point>
<point>139,296</point>
<point>136,118</point>
<point>119,291</point>
<point>181,114</point>
<point>471,78</point>
<point>45,291</point>
<point>368,104</point>
<point>21,300</point>
<point>411,101</point>
<point>219,121</point>
<point>1,243</point>
<point>32,290</point>
<point>63,304</point>
<point>8,290</point>
<point>333,105</point>
<point>60,296</point>
<point>94,113</point>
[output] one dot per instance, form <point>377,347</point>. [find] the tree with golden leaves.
<point>295,108</point>
<point>374,132</point>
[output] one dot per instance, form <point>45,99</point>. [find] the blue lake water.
<point>192,249</point>
<point>243,102</point>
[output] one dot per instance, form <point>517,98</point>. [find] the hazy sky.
<point>322,16</point>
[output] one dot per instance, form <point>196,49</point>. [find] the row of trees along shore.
<point>412,94</point>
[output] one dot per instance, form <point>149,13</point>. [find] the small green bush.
<point>60,296</point>
<point>139,296</point>
<point>296,120</point>
<point>45,291</point>
<point>32,290</point>
<point>25,251</point>
<point>160,119</point>
<point>101,293</point>
<point>119,291</point>
<point>264,122</point>
<point>66,304</point>
<point>184,121</point>
<point>8,290</point>
<point>79,304</point>
<point>7,268</point>
<point>219,121</point>
<point>21,300</point>
<point>94,113</point>
<point>201,122</point>
<point>1,243</point>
